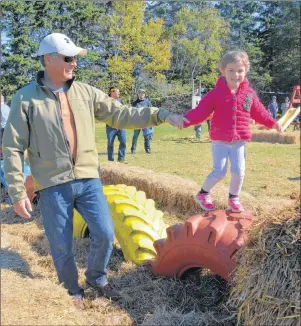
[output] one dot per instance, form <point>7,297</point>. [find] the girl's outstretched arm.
<point>202,111</point>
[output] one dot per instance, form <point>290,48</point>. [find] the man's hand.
<point>23,207</point>
<point>176,120</point>
<point>278,126</point>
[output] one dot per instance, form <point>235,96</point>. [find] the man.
<point>114,92</point>
<point>273,107</point>
<point>4,112</point>
<point>142,102</point>
<point>53,118</point>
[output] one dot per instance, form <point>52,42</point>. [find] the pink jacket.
<point>231,112</point>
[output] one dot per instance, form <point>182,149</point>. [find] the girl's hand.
<point>277,126</point>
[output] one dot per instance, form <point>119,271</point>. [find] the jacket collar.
<point>40,76</point>
<point>222,84</point>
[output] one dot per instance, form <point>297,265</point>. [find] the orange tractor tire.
<point>202,242</point>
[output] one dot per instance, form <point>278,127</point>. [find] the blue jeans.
<point>198,129</point>
<point>147,140</point>
<point>111,134</point>
<point>56,205</point>
<point>221,152</point>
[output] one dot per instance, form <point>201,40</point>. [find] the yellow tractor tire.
<point>80,227</point>
<point>138,224</point>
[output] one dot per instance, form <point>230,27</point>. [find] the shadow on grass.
<point>294,178</point>
<point>188,140</point>
<point>12,260</point>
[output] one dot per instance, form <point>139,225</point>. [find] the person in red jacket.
<point>233,103</point>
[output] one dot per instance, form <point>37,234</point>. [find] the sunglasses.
<point>68,59</point>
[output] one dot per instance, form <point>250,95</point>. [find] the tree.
<point>137,47</point>
<point>198,39</point>
<point>26,23</point>
<point>279,34</point>
<point>269,33</point>
<point>244,17</point>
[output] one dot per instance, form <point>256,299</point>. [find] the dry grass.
<point>31,295</point>
<point>267,280</point>
<point>176,194</point>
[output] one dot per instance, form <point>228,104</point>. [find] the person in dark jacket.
<point>148,133</point>
<point>114,92</point>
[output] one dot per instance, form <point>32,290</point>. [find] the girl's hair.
<point>234,57</point>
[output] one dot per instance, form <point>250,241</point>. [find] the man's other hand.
<point>23,207</point>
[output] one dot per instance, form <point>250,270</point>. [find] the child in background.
<point>233,103</point>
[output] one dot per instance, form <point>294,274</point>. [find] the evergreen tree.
<point>279,34</point>
<point>27,22</point>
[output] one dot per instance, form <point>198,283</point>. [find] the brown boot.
<point>107,291</point>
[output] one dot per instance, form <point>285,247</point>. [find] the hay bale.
<point>271,136</point>
<point>176,194</point>
<point>173,193</point>
<point>267,279</point>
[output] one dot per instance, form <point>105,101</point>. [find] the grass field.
<point>273,170</point>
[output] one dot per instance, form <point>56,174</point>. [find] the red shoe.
<point>205,201</point>
<point>235,205</point>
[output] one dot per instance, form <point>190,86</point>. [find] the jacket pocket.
<point>46,136</point>
<point>33,144</point>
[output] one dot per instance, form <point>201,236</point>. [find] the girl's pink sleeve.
<point>260,114</point>
<point>202,111</point>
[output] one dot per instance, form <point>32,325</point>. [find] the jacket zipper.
<point>73,159</point>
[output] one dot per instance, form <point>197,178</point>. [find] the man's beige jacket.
<point>35,123</point>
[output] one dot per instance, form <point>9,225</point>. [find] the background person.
<point>114,92</point>
<point>273,107</point>
<point>233,102</point>
<point>148,133</point>
<point>53,118</point>
<point>4,112</point>
<point>198,128</point>
<point>285,105</point>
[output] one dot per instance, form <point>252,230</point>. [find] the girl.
<point>233,103</point>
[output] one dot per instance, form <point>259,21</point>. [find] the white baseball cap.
<point>59,43</point>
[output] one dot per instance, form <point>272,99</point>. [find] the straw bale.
<point>267,279</point>
<point>176,194</point>
<point>271,136</point>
